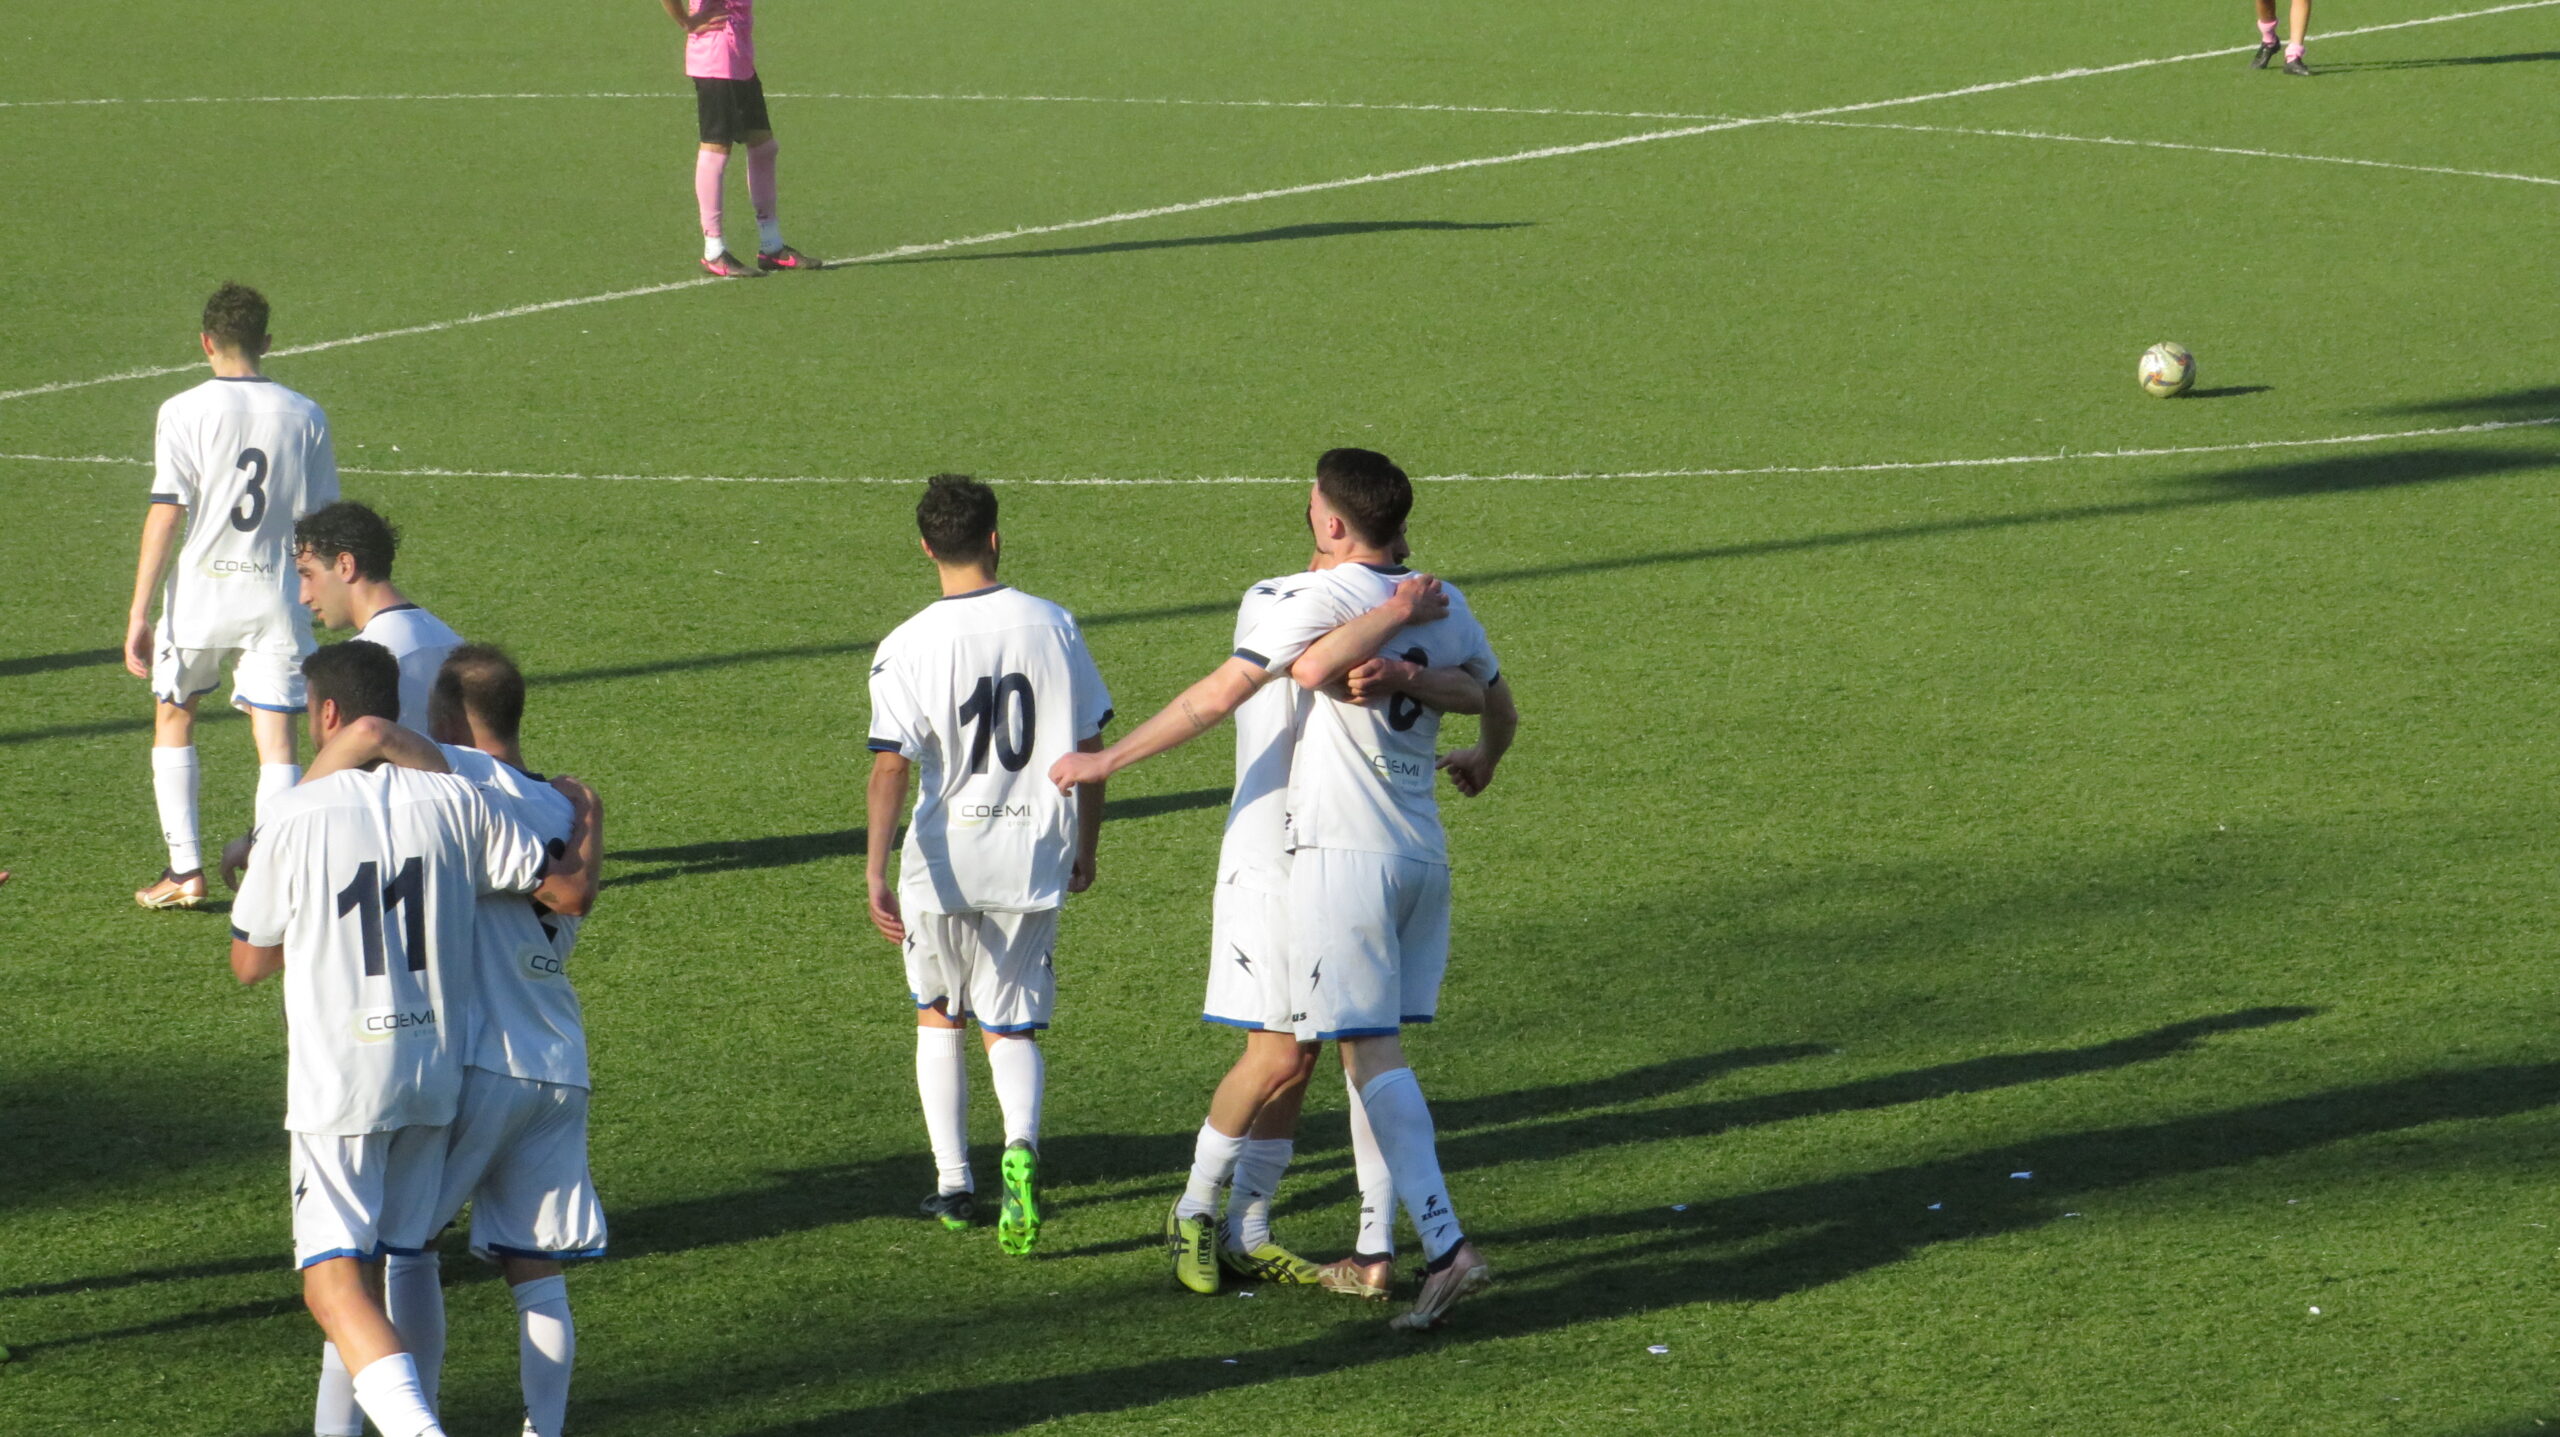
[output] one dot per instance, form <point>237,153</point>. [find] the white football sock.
<point>389,1391</point>
<point>173,782</point>
<point>1402,1122</point>
<point>1377,1184</point>
<point>1213,1159</point>
<point>413,1298</point>
<point>334,1412</point>
<point>713,247</point>
<point>942,1080</point>
<point>1021,1075</point>
<point>275,778</point>
<point>546,1348</point>
<point>1257,1179</point>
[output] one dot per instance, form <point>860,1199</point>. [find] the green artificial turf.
<point>1959,950</point>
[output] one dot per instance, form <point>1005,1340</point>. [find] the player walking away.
<point>364,892</point>
<point>2293,64</point>
<point>344,554</point>
<point>237,460</point>
<point>720,57</point>
<point>1249,1134</point>
<point>979,694</point>
<point>517,1150</point>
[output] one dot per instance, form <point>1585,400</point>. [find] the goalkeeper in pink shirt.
<point>720,56</point>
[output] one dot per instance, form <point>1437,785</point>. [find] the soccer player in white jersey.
<point>978,695</point>
<point>1368,874</point>
<point>517,1149</point>
<point>343,554</point>
<point>364,891</point>
<point>237,460</point>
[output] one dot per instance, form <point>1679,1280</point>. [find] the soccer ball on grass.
<point>2167,370</point>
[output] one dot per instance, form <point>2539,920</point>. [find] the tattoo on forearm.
<point>1198,724</point>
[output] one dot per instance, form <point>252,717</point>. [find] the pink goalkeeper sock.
<point>709,168</point>
<point>2266,32</point>
<point>2293,51</point>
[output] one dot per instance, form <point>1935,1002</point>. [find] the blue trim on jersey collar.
<point>973,593</point>
<point>1384,568</point>
<point>391,609</point>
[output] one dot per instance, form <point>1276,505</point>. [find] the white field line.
<point>1098,481</point>
<point>2176,145</point>
<point>1545,152</point>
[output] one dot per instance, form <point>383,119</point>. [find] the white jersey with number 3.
<point>1363,776</point>
<point>372,883</point>
<point>983,691</point>
<point>245,458</point>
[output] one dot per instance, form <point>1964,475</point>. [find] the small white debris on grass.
<point>1244,1294</point>
<point>1933,1207</point>
<point>2315,1312</point>
<point>2022,1177</point>
<point>1658,1350</point>
<point>1684,1207</point>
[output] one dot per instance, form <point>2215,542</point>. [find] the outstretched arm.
<point>1200,708</point>
<point>369,741</point>
<point>159,535</point>
<point>883,800</point>
<point>1416,600</point>
<point>1471,769</point>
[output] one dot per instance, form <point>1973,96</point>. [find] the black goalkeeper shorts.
<point>730,110</point>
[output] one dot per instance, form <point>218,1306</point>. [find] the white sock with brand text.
<point>546,1348</point>
<point>1021,1074</point>
<point>942,1080</point>
<point>275,778</point>
<point>173,783</point>
<point>1213,1160</point>
<point>413,1298</point>
<point>1402,1121</point>
<point>334,1412</point>
<point>390,1395</point>
<point>1377,1184</point>
<point>1257,1180</point>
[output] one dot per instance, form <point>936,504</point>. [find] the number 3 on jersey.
<point>367,896</point>
<point>986,709</point>
<point>253,504</point>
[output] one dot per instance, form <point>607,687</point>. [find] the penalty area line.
<point>1897,466</point>
<point>1544,152</point>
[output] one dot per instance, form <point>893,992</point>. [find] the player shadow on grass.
<point>2521,57</point>
<point>726,855</point>
<point>19,668</point>
<point>1755,1247</point>
<point>2540,402</point>
<point>2283,480</point>
<point>1335,229</point>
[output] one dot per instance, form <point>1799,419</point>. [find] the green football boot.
<point>1269,1263</point>
<point>1018,1221</point>
<point>954,1210</point>
<point>1193,1244</point>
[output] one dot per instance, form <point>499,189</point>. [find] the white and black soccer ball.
<point>2167,370</point>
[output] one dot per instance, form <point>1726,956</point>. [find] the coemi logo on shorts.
<point>381,1025</point>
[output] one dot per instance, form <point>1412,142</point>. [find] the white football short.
<point>1368,942</point>
<point>517,1151</point>
<point>367,1195</point>
<point>1248,959</point>
<point>260,678</point>
<point>995,967</point>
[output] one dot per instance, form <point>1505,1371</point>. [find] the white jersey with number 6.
<point>529,1025</point>
<point>245,458</point>
<point>983,691</point>
<point>372,883</point>
<point>1362,777</point>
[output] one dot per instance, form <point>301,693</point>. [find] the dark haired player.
<point>364,894</point>
<point>237,460</point>
<point>343,554</point>
<point>720,58</point>
<point>517,1149</point>
<point>2293,63</point>
<point>978,695</point>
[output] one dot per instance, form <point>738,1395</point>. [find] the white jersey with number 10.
<point>245,458</point>
<point>983,691</point>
